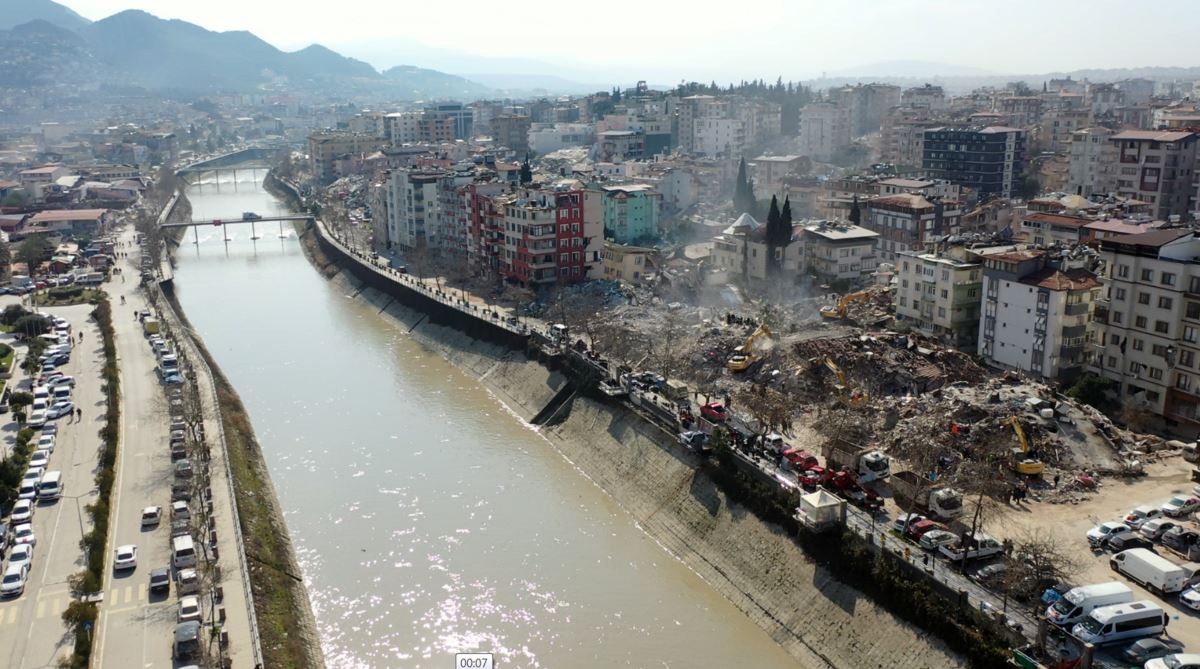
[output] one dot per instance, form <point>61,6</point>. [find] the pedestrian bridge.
<point>233,221</point>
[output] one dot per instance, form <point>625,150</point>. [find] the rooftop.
<point>1056,279</point>
<point>1152,238</point>
<point>908,183</point>
<point>839,231</point>
<point>1058,219</point>
<point>68,215</point>
<point>1153,136</point>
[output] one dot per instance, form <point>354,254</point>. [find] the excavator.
<point>743,356</point>
<point>838,311</point>
<point>1023,459</point>
<point>853,398</point>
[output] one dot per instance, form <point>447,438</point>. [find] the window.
<point>941,312</point>
<point>1143,298</point>
<point>1123,271</point>
<point>1147,275</point>
<point>1159,350</point>
<point>1134,366</point>
<point>1183,381</point>
<point>972,292</point>
<point>1156,373</point>
<point>1138,344</point>
<point>1168,279</point>
<point>1139,322</point>
<point>1116,317</point>
<point>1187,358</point>
<point>1189,335</point>
<point>1194,285</point>
<point>1164,302</point>
<point>1114,339</point>
<point>945,293</point>
<point>1193,310</point>
<point>1119,293</point>
<point>1112,361</point>
<point>1161,327</point>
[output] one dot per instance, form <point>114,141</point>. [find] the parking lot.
<point>31,630</point>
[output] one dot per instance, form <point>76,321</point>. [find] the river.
<point>429,520</point>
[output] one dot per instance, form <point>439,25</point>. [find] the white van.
<point>1079,602</point>
<point>1122,622</point>
<point>1150,570</point>
<point>183,553</point>
<point>51,486</point>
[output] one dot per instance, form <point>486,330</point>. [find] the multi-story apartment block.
<point>326,147</point>
<point>865,105</point>
<point>1047,229</point>
<point>928,97</point>
<point>825,128</point>
<point>544,240</point>
<point>630,212</point>
<point>402,127</point>
<point>620,145</point>
<point>485,243</point>
<point>549,137</point>
<point>907,221</point>
<point>1036,312</point>
<point>511,130</point>
<point>1058,127</point>
<point>1093,162</point>
<point>830,252</point>
<point>1146,330</point>
<point>990,159</point>
<point>939,292</point>
<point>902,135</point>
<point>1022,111</point>
<point>462,117</point>
<point>718,137</point>
<point>412,206</point>
<point>1104,98</point>
<point>1158,167</point>
<point>768,171</point>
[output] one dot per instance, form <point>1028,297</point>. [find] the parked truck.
<point>1149,570</point>
<point>150,326</point>
<point>911,489</point>
<point>868,465</point>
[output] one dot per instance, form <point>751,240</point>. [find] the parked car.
<point>935,539</point>
<point>1180,538</point>
<point>160,580</point>
<point>13,583</point>
<point>39,460</point>
<point>1175,661</point>
<point>979,546</point>
<point>1143,650</point>
<point>183,469</point>
<point>189,608</point>
<point>37,418</point>
<point>918,529</point>
<point>187,581</point>
<point>1097,534</point>
<point>46,442</point>
<point>22,512</point>
<point>21,554</point>
<point>1141,514</point>
<point>1180,506</point>
<point>23,534</point>
<point>125,557</point>
<point>1125,540</point>
<point>60,409</point>
<point>714,411</point>
<point>61,380</point>
<point>990,573</point>
<point>903,521</point>
<point>1190,598</point>
<point>1154,529</point>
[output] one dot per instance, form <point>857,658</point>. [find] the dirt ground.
<point>1113,499</point>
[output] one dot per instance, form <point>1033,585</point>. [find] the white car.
<point>60,409</point>
<point>935,539</point>
<point>1141,514</point>
<point>189,608</point>
<point>21,554</point>
<point>125,557</point>
<point>1154,529</point>
<point>1176,661</point>
<point>46,443</point>
<point>61,380</point>
<point>151,515</point>
<point>22,512</point>
<point>37,418</point>
<point>1190,598</point>
<point>1100,532</point>
<point>13,583</point>
<point>39,460</point>
<point>1180,506</point>
<point>23,534</point>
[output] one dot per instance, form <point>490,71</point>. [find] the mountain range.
<point>43,43</point>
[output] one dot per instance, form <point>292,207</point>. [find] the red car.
<point>714,411</point>
<point>800,460</point>
<point>915,530</point>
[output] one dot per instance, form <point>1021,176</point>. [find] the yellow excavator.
<point>848,396</point>
<point>1023,459</point>
<point>838,311</point>
<point>743,356</point>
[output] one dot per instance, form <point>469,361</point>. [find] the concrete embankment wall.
<point>820,622</point>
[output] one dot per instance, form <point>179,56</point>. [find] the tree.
<point>1043,561</point>
<point>33,251</point>
<point>855,212</point>
<point>19,400</point>
<point>12,313</point>
<point>1090,390</point>
<point>16,198</point>
<point>743,192</point>
<point>526,171</point>
<point>1136,415</point>
<point>32,325</point>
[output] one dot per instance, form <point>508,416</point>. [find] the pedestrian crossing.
<point>52,606</point>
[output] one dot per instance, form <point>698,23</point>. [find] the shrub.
<point>31,325</point>
<point>64,293</point>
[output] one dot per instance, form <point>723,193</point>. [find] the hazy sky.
<point>705,39</point>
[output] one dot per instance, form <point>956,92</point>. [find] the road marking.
<point>141,592</point>
<point>41,609</point>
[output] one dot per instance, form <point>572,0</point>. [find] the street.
<point>32,633</point>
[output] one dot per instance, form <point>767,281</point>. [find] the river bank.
<point>817,620</point>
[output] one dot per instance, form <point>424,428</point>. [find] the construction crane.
<point>1023,459</point>
<point>843,385</point>
<point>835,312</point>
<point>743,356</point>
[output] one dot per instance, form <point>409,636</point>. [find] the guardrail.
<point>194,354</point>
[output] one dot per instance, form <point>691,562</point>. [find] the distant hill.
<point>418,83</point>
<point>16,12</point>
<point>40,54</point>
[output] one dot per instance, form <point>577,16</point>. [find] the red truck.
<point>846,485</point>
<point>714,411</point>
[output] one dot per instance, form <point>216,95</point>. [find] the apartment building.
<point>549,137</point>
<point>939,292</point>
<point>907,221</point>
<point>1146,330</point>
<point>1058,127</point>
<point>1093,162</point>
<point>836,252</point>
<point>1022,111</point>
<point>1158,167</point>
<point>630,212</point>
<point>928,97</point>
<point>824,129</point>
<point>1036,312</point>
<point>544,239</point>
<point>768,171</point>
<point>1047,229</point>
<point>989,159</point>
<point>325,148</point>
<point>630,264</point>
<point>718,137</point>
<point>902,136</point>
<point>512,131</point>
<point>620,145</point>
<point>412,206</point>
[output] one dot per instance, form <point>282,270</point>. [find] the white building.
<point>939,293</point>
<point>403,127</point>
<point>1093,162</point>
<point>824,129</point>
<point>549,137</point>
<point>1036,312</point>
<point>719,136</point>
<point>412,206</point>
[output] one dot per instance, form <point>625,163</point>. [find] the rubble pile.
<point>890,363</point>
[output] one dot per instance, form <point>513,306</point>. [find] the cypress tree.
<point>526,171</point>
<point>743,191</point>
<point>855,212</point>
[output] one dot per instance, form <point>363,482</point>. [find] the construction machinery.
<point>1024,460</point>
<point>838,311</point>
<point>744,356</point>
<point>851,397</point>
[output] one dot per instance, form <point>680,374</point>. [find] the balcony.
<point>1077,309</point>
